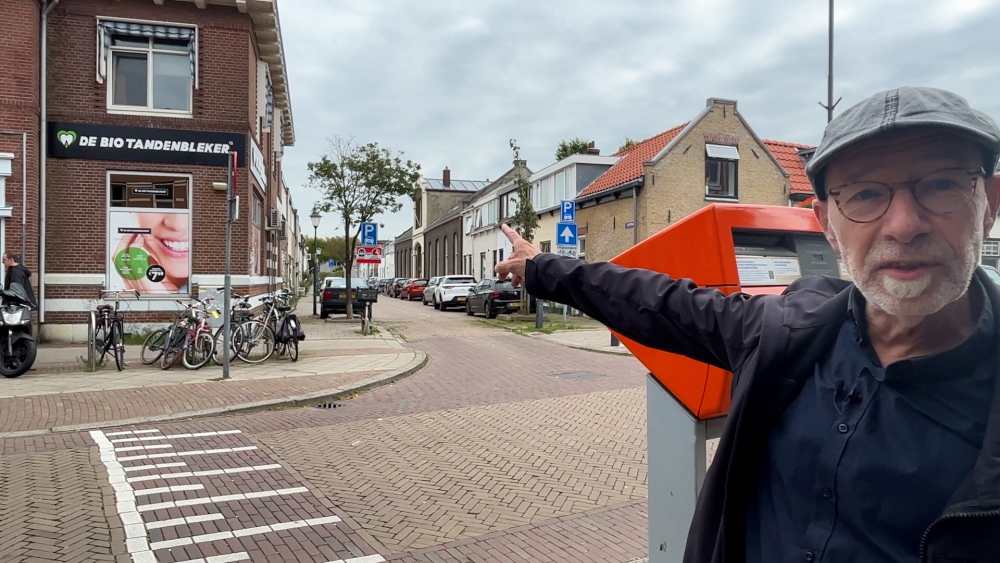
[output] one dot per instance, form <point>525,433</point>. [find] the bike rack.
<point>91,345</point>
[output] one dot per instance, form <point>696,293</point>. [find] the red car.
<point>413,289</point>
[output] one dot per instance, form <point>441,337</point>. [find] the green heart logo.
<point>66,137</point>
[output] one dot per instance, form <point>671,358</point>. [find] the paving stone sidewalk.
<point>335,358</point>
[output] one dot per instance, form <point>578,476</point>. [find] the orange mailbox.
<point>750,248</point>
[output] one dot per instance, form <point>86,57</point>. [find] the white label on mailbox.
<point>755,270</point>
<point>844,274</point>
<point>786,270</point>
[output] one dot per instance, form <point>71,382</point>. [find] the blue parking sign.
<point>567,213</point>
<point>369,234</point>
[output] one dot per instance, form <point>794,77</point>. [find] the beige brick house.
<point>716,157</point>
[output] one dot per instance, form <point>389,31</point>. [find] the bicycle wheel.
<point>256,342</point>
<point>118,341</point>
<point>101,341</point>
<point>293,349</point>
<point>199,351</point>
<point>172,352</point>
<point>152,348</point>
<point>234,343</point>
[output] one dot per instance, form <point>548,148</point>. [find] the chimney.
<point>591,149</point>
<point>446,175</point>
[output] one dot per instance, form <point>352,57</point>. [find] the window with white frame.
<point>721,171</point>
<point>536,196</point>
<point>149,68</point>
<point>560,189</point>
<point>547,199</point>
<point>492,212</point>
<point>991,248</point>
<point>468,225</point>
<point>581,251</point>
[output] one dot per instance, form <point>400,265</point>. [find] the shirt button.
<point>826,492</point>
<point>843,428</point>
<point>810,556</point>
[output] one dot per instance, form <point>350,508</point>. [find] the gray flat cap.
<point>897,110</point>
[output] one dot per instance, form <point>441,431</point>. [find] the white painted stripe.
<point>155,466</point>
<point>173,489</point>
<point>363,559</point>
<point>223,498</point>
<point>228,558</point>
<point>124,432</point>
<point>144,447</point>
<point>187,453</point>
<point>136,536</point>
<point>177,436</point>
<point>185,520</point>
<point>244,532</point>
<point>205,473</point>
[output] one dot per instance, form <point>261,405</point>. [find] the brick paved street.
<point>503,448</point>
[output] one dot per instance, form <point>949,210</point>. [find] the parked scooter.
<point>17,344</point>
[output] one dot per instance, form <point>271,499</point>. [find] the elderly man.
<point>865,420</point>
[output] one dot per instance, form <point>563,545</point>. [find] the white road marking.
<point>185,520</point>
<point>223,498</point>
<point>155,466</point>
<point>363,559</point>
<point>177,436</point>
<point>145,447</point>
<point>173,489</point>
<point>244,532</point>
<point>191,452</point>
<point>127,432</point>
<point>136,538</point>
<point>204,473</point>
<point>228,558</point>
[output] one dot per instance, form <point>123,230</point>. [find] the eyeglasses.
<point>944,191</point>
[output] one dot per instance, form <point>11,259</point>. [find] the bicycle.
<point>109,335</point>
<point>189,339</point>
<point>239,313</point>
<point>256,341</point>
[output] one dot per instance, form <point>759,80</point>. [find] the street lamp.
<point>315,220</point>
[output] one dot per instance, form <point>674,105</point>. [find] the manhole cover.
<point>329,405</point>
<point>579,376</point>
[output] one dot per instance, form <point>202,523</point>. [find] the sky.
<point>449,83</point>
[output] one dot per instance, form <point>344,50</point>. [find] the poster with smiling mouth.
<point>149,251</point>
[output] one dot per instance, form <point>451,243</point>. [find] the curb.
<point>327,395</point>
<point>598,350</point>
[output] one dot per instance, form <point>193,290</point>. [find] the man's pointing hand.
<point>516,264</point>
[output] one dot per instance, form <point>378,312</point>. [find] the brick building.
<point>143,104</point>
<point>716,157</point>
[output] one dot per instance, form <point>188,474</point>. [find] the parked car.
<point>335,296</point>
<point>491,297</point>
<point>992,273</point>
<point>428,295</point>
<point>396,286</point>
<point>414,289</point>
<point>452,291</point>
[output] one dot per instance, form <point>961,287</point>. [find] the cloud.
<point>450,82</point>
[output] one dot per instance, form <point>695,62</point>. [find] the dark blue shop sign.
<point>89,141</point>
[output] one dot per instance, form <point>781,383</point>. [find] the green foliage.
<point>331,247</point>
<point>627,144</point>
<point>569,148</point>
<point>524,220</point>
<point>357,183</point>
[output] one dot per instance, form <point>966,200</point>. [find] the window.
<point>494,259</point>
<point>148,191</point>
<point>257,210</point>
<point>417,212</point>
<point>492,213</point>
<point>991,248</point>
<point>454,253</point>
<point>581,247</point>
<point>482,265</point>
<point>546,193</point>
<point>150,73</point>
<point>721,171</point>
<point>468,225</point>
<point>546,246</point>
<point>560,180</point>
<point>536,195</point>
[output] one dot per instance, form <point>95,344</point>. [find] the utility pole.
<point>231,210</point>
<point>830,104</point>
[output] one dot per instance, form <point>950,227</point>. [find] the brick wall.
<point>19,112</point>
<point>607,236</point>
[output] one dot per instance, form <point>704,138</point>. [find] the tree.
<point>524,220</point>
<point>627,144</point>
<point>569,148</point>
<point>357,183</point>
<point>330,247</point>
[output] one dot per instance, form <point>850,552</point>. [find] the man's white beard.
<point>902,298</point>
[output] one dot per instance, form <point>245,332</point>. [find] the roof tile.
<point>787,154</point>
<point>630,166</point>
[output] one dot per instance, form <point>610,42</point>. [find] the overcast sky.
<point>450,82</point>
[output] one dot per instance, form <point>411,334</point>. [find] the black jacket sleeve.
<point>653,309</point>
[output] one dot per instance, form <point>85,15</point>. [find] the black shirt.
<point>866,457</point>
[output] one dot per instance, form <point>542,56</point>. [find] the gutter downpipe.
<point>635,216</point>
<point>42,154</point>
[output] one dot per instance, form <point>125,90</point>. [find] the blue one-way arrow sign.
<point>566,234</point>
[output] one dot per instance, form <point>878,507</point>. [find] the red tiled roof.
<point>787,154</point>
<point>630,166</point>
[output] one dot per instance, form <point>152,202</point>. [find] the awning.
<point>722,151</point>
<point>107,28</point>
